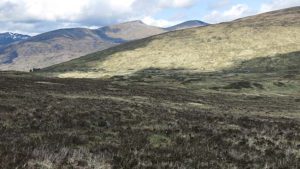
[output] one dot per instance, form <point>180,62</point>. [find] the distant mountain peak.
<point>128,31</point>
<point>187,24</point>
<point>195,22</point>
<point>136,21</point>
<point>10,37</point>
<point>14,35</point>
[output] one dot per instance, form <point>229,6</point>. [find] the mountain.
<point>131,30</point>
<point>65,44</point>
<point>51,48</point>
<point>203,49</point>
<point>187,24</point>
<point>9,38</point>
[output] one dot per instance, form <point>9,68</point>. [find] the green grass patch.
<point>157,141</point>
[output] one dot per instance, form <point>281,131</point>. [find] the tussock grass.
<point>144,123</point>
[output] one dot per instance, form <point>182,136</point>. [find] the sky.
<point>37,16</point>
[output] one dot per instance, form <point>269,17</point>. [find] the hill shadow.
<point>270,64</point>
<point>245,74</point>
<point>280,62</point>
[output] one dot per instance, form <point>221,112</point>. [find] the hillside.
<point>65,44</point>
<point>9,38</point>
<point>205,49</point>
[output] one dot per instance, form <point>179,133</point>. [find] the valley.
<point>211,97</point>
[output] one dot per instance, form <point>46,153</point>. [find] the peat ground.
<point>149,122</point>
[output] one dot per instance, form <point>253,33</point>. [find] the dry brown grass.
<point>134,124</point>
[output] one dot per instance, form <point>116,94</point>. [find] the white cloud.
<point>242,10</point>
<point>235,12</point>
<point>278,4</point>
<point>219,4</point>
<point>36,16</point>
<point>52,10</point>
<point>177,3</point>
<point>44,15</point>
<point>158,22</point>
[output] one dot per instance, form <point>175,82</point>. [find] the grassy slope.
<point>206,49</point>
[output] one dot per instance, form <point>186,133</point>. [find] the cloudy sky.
<point>37,16</point>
